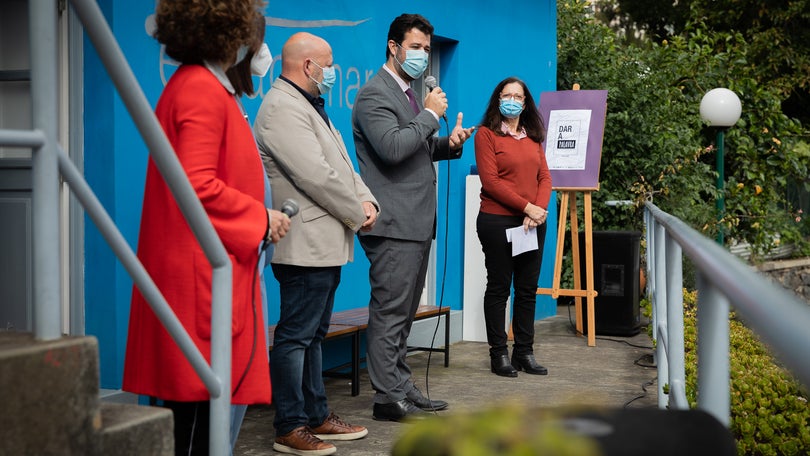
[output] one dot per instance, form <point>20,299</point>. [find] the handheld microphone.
<point>289,207</point>
<point>430,83</point>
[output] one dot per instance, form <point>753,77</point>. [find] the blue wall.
<point>482,44</point>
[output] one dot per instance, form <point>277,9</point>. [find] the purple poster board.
<point>575,125</point>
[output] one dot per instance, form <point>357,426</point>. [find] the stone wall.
<point>792,274</point>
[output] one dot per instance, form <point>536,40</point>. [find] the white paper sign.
<point>567,138</point>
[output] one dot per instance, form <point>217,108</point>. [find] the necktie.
<point>412,99</point>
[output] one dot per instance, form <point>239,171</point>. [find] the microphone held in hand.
<point>289,207</point>
<point>430,83</point>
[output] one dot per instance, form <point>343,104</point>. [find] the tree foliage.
<point>777,33</point>
<point>655,145</point>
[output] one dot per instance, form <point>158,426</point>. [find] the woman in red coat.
<point>201,118</point>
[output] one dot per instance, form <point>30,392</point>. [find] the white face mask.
<point>261,61</point>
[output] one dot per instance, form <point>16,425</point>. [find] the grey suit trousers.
<point>397,275</point>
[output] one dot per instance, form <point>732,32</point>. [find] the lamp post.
<point>720,108</point>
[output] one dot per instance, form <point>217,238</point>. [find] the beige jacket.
<point>306,160</point>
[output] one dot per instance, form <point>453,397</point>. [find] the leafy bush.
<point>769,410</point>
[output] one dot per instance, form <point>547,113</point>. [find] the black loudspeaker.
<point>616,280</point>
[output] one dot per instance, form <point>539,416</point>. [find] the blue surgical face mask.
<point>328,80</point>
<point>416,62</point>
<point>511,108</point>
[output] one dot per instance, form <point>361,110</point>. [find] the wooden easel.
<point>577,292</point>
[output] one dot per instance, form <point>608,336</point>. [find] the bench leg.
<point>356,363</point>
<point>447,339</point>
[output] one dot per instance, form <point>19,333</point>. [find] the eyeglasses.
<point>513,96</point>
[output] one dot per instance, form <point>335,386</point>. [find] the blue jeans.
<point>237,416</point>
<point>307,297</point>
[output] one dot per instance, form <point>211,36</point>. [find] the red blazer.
<point>216,148</point>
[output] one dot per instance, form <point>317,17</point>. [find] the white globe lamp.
<point>720,108</point>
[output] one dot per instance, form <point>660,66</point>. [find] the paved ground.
<point>615,373</point>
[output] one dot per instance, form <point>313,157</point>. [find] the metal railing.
<point>778,317</point>
<point>48,160</point>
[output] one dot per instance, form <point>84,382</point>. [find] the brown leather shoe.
<point>333,428</point>
<point>302,441</point>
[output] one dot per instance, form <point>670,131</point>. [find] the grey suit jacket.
<point>396,150</point>
<point>306,160</point>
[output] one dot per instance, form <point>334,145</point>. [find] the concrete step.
<point>134,430</point>
<point>49,404</point>
<point>49,394</point>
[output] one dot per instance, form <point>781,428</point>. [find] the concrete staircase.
<point>49,404</point>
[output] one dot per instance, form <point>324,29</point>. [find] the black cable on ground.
<point>642,396</point>
<point>650,365</point>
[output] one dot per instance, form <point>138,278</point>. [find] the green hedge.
<point>769,410</point>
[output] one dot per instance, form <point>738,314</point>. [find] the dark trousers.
<point>502,270</point>
<point>397,275</point>
<point>192,425</point>
<point>191,421</point>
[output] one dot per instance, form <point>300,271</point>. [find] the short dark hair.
<point>530,118</point>
<point>402,25</point>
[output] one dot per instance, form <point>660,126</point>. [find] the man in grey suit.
<point>306,160</point>
<point>396,147</point>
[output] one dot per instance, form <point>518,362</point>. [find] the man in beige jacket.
<point>306,160</point>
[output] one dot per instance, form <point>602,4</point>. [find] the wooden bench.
<point>353,321</point>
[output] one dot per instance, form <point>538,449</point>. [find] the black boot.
<point>500,366</point>
<point>528,364</point>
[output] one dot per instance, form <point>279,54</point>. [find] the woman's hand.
<point>528,224</point>
<point>537,214</point>
<point>279,225</point>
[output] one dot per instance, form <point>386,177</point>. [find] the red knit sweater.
<point>513,172</point>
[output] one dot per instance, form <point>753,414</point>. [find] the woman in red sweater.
<point>515,191</point>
